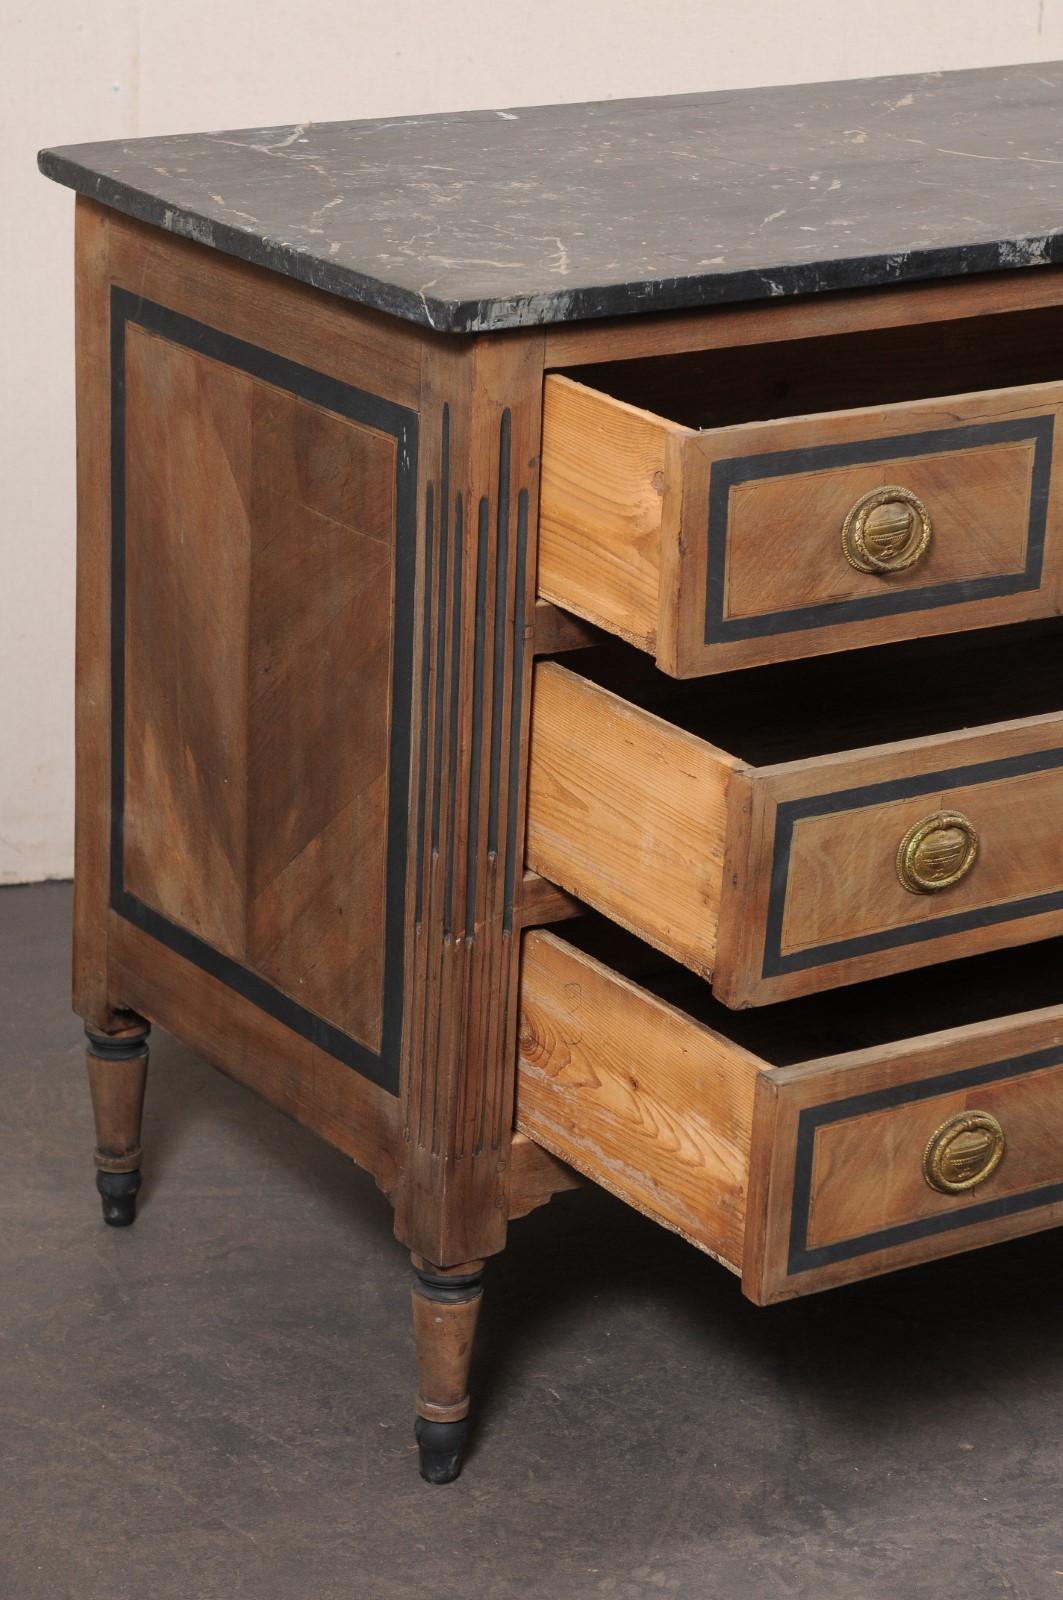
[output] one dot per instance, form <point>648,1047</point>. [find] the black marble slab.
<point>497,219</point>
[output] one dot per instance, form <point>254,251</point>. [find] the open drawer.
<point>813,825</point>
<point>811,1143</point>
<point>721,546</point>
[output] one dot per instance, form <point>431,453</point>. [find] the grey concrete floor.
<point>217,1402</point>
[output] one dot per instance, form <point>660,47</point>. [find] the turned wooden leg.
<point>446,1304</point>
<point>118,1066</point>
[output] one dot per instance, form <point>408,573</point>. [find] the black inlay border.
<point>776,964</point>
<point>472,860</point>
<point>806,1258</point>
<point>726,475</point>
<point>499,648</point>
<point>372,411</point>
<point>513,777</point>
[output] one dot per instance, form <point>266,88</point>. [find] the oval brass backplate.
<point>886,531</point>
<point>937,852</point>
<point>963,1152</point>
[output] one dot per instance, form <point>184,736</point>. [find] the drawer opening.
<point>883,1011</point>
<point>804,709</point>
<point>734,508</point>
<point>795,377</point>
<point>802,1145</point>
<point>753,825</point>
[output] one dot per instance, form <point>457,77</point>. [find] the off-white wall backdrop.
<point>116,68</point>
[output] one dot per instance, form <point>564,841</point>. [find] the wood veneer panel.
<point>852,1196</point>
<point>755,571</point>
<point>843,881</point>
<point>981,513</point>
<point>188,559</point>
<point>259,535</point>
<point>837,1192</point>
<point>244,1042</point>
<point>255,500</point>
<point>813,898</point>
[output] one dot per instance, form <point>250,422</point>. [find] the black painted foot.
<point>118,1191</point>
<point>442,1446</point>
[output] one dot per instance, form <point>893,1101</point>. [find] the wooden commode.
<point>570,669</point>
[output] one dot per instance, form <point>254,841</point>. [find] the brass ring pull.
<point>964,1152</point>
<point>937,852</point>
<point>886,531</point>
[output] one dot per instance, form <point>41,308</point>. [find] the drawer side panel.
<point>628,813</point>
<point>600,510</point>
<point>653,1106</point>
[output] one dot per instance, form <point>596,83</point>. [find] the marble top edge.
<point>491,219</point>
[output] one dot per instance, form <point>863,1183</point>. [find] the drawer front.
<point>872,1162</point>
<point>798,1177</point>
<point>894,858</point>
<point>780,880</point>
<point>769,541</point>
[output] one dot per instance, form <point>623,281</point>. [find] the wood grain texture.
<point>259,538</point>
<point>444,1332</point>
<point>630,1091</point>
<point>600,512</point>
<point>323,1094</point>
<point>188,471</point>
<point>843,880</point>
<point>866,1168</point>
<point>480,419</point>
<point>557,630</point>
<point>628,813</point>
<point>850,1197</point>
<point>625,525</point>
<point>536,1176</point>
<point>781,879</point>
<point>256,526</point>
<point>335,337</point>
<point>92,995</point>
<point>542,901</point>
<point>116,1088</point>
<point>979,505</point>
<point>784,549</point>
<point>841,883</point>
<point>706,1136</point>
<point>807,316</point>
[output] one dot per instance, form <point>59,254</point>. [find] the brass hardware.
<point>937,852</point>
<point>886,531</point>
<point>964,1152</point>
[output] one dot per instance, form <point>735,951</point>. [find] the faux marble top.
<point>485,220</point>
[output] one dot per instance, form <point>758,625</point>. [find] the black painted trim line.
<point>727,474</point>
<point>371,411</point>
<point>776,964</point>
<point>805,1258</point>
